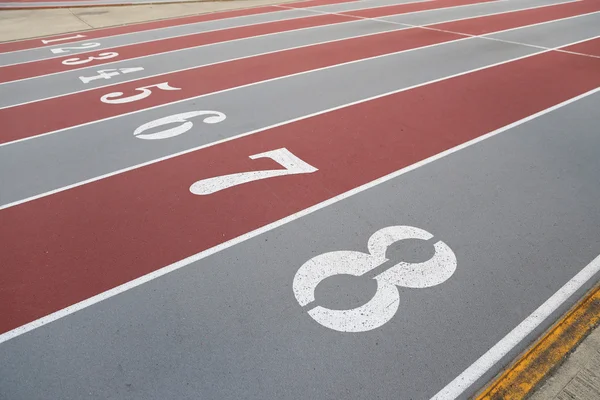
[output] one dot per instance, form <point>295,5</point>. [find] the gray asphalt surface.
<point>228,326</point>
<point>519,210</point>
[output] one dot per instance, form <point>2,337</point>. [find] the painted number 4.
<point>384,304</point>
<point>292,166</point>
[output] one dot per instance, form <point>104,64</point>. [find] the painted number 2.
<point>82,46</point>
<point>292,166</point>
<point>384,304</point>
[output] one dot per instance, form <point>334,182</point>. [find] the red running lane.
<point>51,114</point>
<point>591,47</point>
<point>140,27</point>
<point>146,26</point>
<point>49,66</point>
<point>411,7</point>
<point>62,249</point>
<point>478,26</point>
<point>203,80</point>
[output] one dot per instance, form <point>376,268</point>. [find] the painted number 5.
<point>115,97</point>
<point>292,166</point>
<point>384,304</point>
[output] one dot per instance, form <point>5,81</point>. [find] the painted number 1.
<point>292,166</point>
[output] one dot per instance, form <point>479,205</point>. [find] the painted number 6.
<point>384,304</point>
<point>213,118</point>
<point>112,98</point>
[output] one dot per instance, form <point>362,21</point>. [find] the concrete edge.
<point>530,369</point>
<point>91,5</point>
<point>242,7</point>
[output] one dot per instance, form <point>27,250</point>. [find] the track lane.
<point>57,50</point>
<point>110,147</point>
<point>43,87</point>
<point>51,66</point>
<point>28,44</point>
<point>50,238</point>
<point>55,65</point>
<point>204,80</point>
<point>515,19</point>
<point>588,47</point>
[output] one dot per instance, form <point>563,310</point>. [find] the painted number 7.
<point>292,166</point>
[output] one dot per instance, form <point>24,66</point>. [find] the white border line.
<point>230,138</point>
<point>183,35</point>
<point>403,25</point>
<point>203,65</point>
<point>281,9</point>
<point>227,139</point>
<point>469,376</point>
<point>40,38</point>
<point>475,371</point>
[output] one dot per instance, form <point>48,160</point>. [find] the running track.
<point>323,199</point>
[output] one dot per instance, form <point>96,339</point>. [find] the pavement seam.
<point>484,36</point>
<point>195,14</point>
<point>530,370</point>
<point>79,18</point>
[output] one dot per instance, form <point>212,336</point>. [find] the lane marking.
<point>483,36</point>
<point>143,30</point>
<point>402,26</point>
<point>140,165</point>
<point>163,38</point>
<point>158,21</point>
<point>176,50</point>
<point>582,277</point>
<point>42,67</point>
<point>223,29</point>
<point>545,355</point>
<point>118,115</point>
<point>469,376</point>
<point>212,30</point>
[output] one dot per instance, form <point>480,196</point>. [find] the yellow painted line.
<point>528,371</point>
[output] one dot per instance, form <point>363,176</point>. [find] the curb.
<point>531,368</point>
<point>65,4</point>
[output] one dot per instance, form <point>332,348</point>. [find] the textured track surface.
<point>326,199</point>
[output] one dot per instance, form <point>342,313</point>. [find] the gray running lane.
<point>519,210</point>
<point>470,11</point>
<point>59,84</point>
<point>116,41</point>
<point>45,86</point>
<point>46,163</point>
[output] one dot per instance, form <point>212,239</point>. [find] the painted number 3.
<point>384,304</point>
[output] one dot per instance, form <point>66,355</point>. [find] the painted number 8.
<point>384,304</point>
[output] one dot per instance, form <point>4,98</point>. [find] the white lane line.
<point>157,30</point>
<point>469,376</point>
<point>178,50</point>
<point>358,19</point>
<point>205,65</point>
<point>484,36</point>
<point>153,40</point>
<point>308,15</point>
<point>242,238</point>
<point>100,177</point>
<point>259,82</point>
